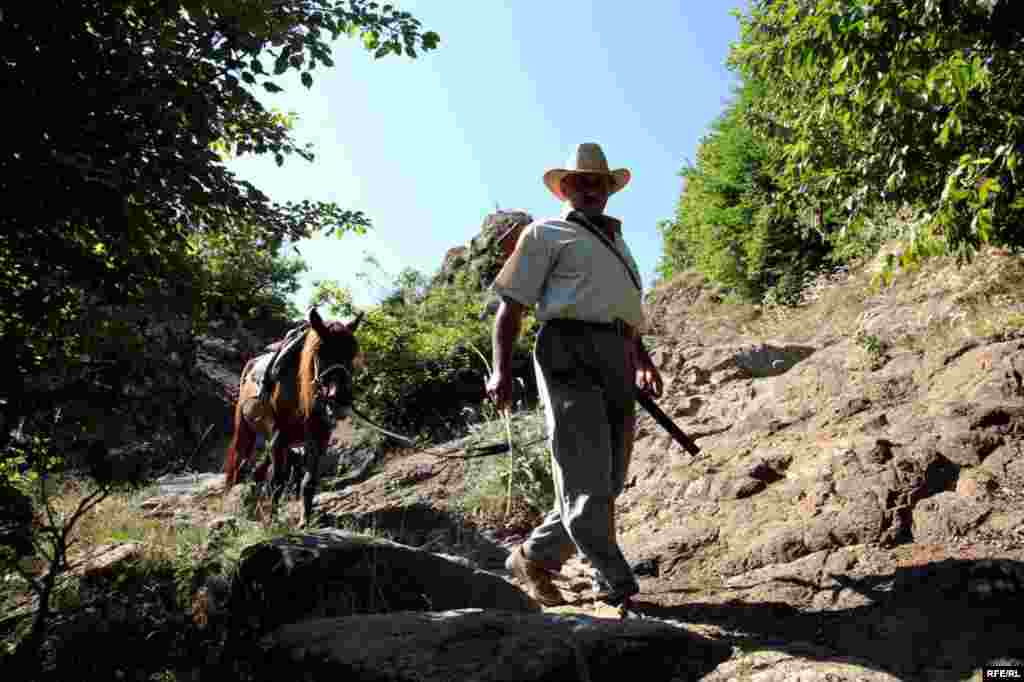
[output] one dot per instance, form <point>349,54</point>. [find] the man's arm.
<point>507,325</point>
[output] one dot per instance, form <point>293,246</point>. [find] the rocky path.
<point>915,611</point>
<point>857,512</point>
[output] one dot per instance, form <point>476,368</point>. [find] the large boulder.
<point>334,573</point>
<point>473,644</point>
<point>946,517</point>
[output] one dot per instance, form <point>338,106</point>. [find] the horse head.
<point>329,357</point>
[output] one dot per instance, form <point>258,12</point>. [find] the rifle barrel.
<point>647,402</point>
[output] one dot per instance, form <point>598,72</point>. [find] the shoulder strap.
<point>579,219</point>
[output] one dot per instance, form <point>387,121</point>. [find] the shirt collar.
<point>600,221</point>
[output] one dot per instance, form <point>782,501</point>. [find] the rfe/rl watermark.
<point>1002,672</point>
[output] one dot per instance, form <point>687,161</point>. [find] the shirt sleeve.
<point>524,273</point>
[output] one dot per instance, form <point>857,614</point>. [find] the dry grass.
<point>120,518</point>
<point>985,299</point>
<point>834,304</point>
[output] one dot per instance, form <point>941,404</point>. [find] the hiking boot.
<point>536,578</point>
<point>616,596</point>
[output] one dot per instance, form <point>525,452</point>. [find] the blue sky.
<point>428,147</point>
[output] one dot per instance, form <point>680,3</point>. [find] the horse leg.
<point>278,453</point>
<point>315,447</point>
<point>260,474</point>
<point>296,471</point>
<point>239,451</point>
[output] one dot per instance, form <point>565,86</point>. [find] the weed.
<point>872,345</point>
<point>527,466</point>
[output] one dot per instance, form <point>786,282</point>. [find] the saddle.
<point>286,352</point>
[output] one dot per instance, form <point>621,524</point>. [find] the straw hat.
<point>588,158</point>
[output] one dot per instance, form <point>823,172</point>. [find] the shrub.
<point>423,348</point>
<point>728,225</point>
<point>487,489</point>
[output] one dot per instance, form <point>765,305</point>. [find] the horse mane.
<point>307,373</point>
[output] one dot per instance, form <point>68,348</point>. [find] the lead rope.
<point>511,459</point>
<point>493,449</point>
<point>320,376</point>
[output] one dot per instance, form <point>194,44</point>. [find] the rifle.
<point>647,402</point>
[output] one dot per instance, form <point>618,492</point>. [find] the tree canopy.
<point>726,224</point>
<point>116,195</point>
<point>856,122</point>
<point>876,102</point>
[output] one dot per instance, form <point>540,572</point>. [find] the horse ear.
<point>354,324</point>
<point>316,322</point>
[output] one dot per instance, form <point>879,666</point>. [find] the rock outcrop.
<point>334,573</point>
<point>481,257</point>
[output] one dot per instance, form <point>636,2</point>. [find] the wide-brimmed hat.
<point>588,158</point>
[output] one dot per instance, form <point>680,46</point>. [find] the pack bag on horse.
<point>292,396</point>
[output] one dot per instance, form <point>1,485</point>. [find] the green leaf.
<point>281,63</point>
<point>370,40</point>
<point>839,67</point>
<point>430,40</point>
<point>989,186</point>
<point>307,79</point>
<point>271,87</point>
<point>962,78</point>
<point>248,77</point>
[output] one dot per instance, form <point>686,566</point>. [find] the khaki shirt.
<point>569,273</point>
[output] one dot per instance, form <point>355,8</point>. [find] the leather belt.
<point>618,326</point>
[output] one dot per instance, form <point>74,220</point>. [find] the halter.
<point>320,384</point>
<point>319,381</point>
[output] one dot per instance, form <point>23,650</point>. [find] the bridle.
<point>320,387</point>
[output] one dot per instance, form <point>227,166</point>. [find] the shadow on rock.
<point>424,526</point>
<point>473,644</point>
<point>765,360</point>
<point>937,621</point>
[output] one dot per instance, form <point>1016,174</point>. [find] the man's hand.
<point>648,378</point>
<point>499,389</point>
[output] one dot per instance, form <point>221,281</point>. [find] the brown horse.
<point>309,396</point>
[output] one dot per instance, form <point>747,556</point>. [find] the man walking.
<point>580,275</point>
